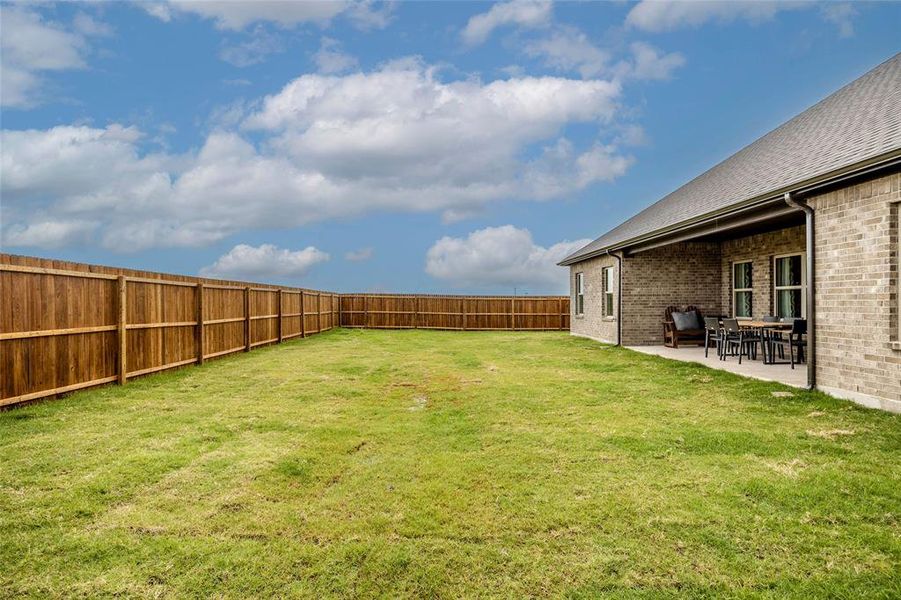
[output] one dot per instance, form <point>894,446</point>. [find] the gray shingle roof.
<point>860,121</point>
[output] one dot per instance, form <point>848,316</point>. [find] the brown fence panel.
<point>66,326</point>
<point>470,313</point>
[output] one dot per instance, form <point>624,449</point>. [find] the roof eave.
<point>874,163</point>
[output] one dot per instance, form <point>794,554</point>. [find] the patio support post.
<point>811,305</point>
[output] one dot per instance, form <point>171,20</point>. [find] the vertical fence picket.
<point>279,292</point>
<point>247,319</point>
<point>198,331</point>
<point>121,331</point>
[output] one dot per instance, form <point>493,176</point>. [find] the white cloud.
<point>229,14</point>
<point>237,15</point>
<point>253,50</point>
<point>667,15</point>
<point>325,147</point>
<point>649,63</point>
<point>30,46</point>
<point>523,13</point>
<point>500,257</point>
<point>840,14</point>
<point>159,10</point>
<point>560,167</point>
<point>265,262</point>
<point>361,255</point>
<point>49,234</point>
<point>367,14</point>
<point>568,49</point>
<point>330,58</point>
<point>89,26</point>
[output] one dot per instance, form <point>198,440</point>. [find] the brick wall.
<point>679,275</point>
<point>856,252</point>
<point>593,323</point>
<point>760,250</point>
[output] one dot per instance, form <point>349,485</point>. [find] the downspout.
<point>811,305</point>
<point>619,298</point>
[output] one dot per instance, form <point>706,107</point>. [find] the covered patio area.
<point>779,373</point>
<point>739,272</point>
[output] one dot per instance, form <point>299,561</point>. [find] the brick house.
<point>803,223</point>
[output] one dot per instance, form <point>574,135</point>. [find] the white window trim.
<point>802,287</point>
<point>579,289</point>
<point>735,290</point>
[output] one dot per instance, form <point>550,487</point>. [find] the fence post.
<point>198,332</point>
<point>279,315</point>
<point>339,297</point>
<point>247,319</point>
<point>318,312</point>
<point>513,313</point>
<point>122,331</point>
<point>415,312</point>
<point>303,317</point>
<point>365,312</point>
<point>463,310</point>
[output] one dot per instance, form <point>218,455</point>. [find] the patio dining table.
<point>766,330</point>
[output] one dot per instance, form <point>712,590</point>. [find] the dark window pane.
<point>788,271</point>
<point>788,303</point>
<point>743,304</point>
<point>742,275</point>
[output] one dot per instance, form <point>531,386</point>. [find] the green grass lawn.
<point>443,464</point>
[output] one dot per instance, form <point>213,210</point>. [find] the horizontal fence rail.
<point>66,326</point>
<point>461,313</point>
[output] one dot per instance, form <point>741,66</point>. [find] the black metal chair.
<point>796,339</point>
<point>712,333</point>
<point>738,342</point>
<point>775,335</point>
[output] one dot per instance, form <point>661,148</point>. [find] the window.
<point>742,289</point>
<point>790,286</point>
<point>580,294</point>
<point>607,274</point>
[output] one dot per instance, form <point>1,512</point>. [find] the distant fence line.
<point>464,313</point>
<point>65,326</point>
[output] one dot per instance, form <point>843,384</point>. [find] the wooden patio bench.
<point>672,336</point>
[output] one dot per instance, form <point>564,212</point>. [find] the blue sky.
<point>460,147</point>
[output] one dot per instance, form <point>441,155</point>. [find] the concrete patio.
<point>796,377</point>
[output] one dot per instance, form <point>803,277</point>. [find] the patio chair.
<point>712,333</point>
<point>737,341</point>
<point>775,335</point>
<point>796,339</point>
<point>681,326</point>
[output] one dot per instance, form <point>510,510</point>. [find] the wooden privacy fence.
<point>66,326</point>
<point>464,313</point>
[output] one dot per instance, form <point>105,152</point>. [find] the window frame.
<point>802,286</point>
<point>579,294</point>
<point>609,306</point>
<point>736,290</point>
